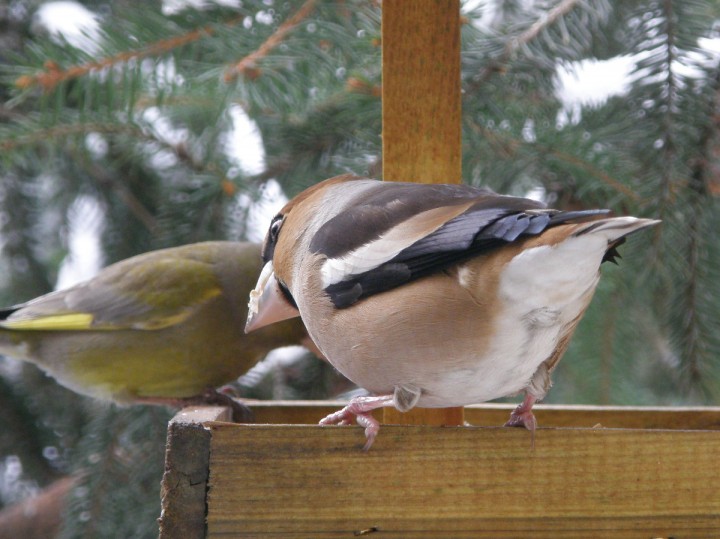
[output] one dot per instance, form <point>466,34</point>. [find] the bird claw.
<point>359,411</point>
<point>351,414</point>
<point>522,416</point>
<point>522,419</point>
<point>341,417</point>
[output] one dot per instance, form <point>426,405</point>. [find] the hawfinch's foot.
<point>522,416</point>
<point>359,410</point>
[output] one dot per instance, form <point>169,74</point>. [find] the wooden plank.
<point>441,417</point>
<point>184,483</point>
<point>307,481</point>
<point>421,130</point>
<point>421,127</point>
<point>638,417</point>
<point>689,418</point>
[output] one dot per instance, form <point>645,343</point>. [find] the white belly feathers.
<point>542,290</point>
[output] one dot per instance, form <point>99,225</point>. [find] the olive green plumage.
<point>160,326</point>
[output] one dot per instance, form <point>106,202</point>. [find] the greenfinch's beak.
<point>267,303</point>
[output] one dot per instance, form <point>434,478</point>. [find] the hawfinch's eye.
<point>275,227</point>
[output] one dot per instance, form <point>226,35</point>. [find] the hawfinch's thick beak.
<point>267,303</point>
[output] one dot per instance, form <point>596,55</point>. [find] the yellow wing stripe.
<point>60,322</point>
<point>82,321</point>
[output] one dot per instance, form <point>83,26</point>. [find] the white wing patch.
<point>376,253</point>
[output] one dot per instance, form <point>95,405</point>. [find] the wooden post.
<point>421,130</point>
<point>421,91</point>
<point>184,483</point>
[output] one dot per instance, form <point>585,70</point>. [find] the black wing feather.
<point>490,223</point>
<point>458,234</point>
<point>381,279</point>
<point>383,206</point>
<point>4,313</point>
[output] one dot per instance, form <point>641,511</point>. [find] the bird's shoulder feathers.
<point>149,291</point>
<point>388,234</point>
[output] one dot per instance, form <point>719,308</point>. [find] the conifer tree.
<point>138,119</point>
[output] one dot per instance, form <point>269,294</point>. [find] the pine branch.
<point>701,175</point>
<point>247,67</point>
<point>67,130</point>
<point>607,352</point>
<point>9,114</point>
<point>62,131</point>
<point>594,171</point>
<point>513,144</point>
<point>547,19</point>
<point>357,85</point>
<point>668,150</point>
<point>136,208</point>
<point>113,485</point>
<point>18,240</point>
<point>53,75</point>
<point>23,433</point>
<point>700,192</point>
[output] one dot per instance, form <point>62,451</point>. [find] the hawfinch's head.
<point>283,249</point>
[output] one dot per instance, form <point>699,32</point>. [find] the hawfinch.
<point>433,295</point>
<point>158,328</point>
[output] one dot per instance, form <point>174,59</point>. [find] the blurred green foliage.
<point>139,119</point>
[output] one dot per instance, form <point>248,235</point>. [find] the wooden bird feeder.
<point>592,472</point>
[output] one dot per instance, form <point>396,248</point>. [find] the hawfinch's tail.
<point>615,230</point>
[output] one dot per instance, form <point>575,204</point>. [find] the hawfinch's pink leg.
<point>358,410</point>
<point>522,416</point>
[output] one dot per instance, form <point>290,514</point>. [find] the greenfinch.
<point>157,328</point>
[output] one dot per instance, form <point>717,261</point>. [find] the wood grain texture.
<point>425,416</point>
<point>184,482</point>
<point>421,130</point>
<point>421,127</point>
<point>683,418</point>
<point>307,481</point>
